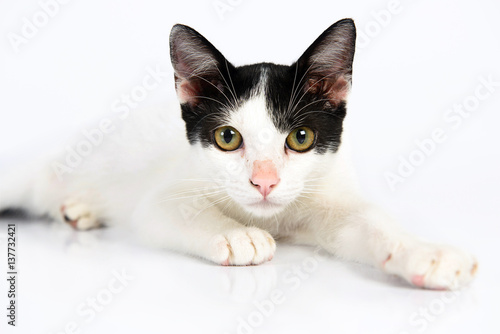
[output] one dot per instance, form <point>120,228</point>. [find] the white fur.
<point>199,200</point>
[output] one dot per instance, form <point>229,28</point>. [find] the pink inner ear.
<point>340,90</point>
<point>336,91</point>
<point>187,91</point>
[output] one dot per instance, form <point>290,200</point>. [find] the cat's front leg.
<point>199,228</point>
<point>363,233</point>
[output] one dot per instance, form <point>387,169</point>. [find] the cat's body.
<point>265,158</point>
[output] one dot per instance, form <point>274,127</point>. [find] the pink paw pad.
<point>418,280</point>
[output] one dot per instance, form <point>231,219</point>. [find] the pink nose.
<point>264,176</point>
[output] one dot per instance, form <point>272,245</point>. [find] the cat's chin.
<point>264,208</point>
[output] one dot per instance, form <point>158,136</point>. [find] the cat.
<point>261,155</point>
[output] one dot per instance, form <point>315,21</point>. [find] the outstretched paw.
<point>437,267</point>
<point>78,215</point>
<point>242,246</point>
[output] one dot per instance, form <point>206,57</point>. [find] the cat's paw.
<point>78,215</point>
<point>438,267</point>
<point>242,246</point>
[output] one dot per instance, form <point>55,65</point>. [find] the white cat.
<point>264,158</point>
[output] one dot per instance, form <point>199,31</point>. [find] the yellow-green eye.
<point>300,139</point>
<point>228,138</point>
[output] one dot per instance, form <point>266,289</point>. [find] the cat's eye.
<point>228,138</point>
<point>300,139</point>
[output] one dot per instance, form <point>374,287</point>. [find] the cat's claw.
<point>436,267</point>
<point>243,246</point>
<point>78,215</point>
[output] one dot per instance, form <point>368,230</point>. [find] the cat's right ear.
<point>198,65</point>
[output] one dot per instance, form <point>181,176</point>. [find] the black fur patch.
<point>297,95</point>
<point>303,108</point>
<point>237,85</point>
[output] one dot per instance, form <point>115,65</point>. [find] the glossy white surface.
<point>300,291</point>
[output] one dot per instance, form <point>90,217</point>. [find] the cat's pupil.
<point>228,135</point>
<point>301,136</point>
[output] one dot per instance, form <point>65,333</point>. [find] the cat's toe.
<point>78,215</point>
<point>244,246</point>
<point>441,268</point>
<point>220,250</point>
<point>263,243</point>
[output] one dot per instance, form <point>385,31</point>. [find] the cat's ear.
<point>198,65</point>
<point>327,63</point>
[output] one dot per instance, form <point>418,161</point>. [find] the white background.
<point>408,73</point>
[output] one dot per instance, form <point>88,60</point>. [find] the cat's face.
<point>264,131</point>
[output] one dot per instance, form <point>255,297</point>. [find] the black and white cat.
<point>264,158</point>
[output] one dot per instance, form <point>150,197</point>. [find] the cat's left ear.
<point>327,63</point>
<point>198,65</point>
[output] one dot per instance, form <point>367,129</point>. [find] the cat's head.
<point>268,129</point>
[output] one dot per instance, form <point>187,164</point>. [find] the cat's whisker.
<point>231,80</point>
<point>199,190</point>
<point>297,204</point>
<point>309,195</point>
<point>295,88</point>
<point>292,93</point>
<point>208,115</point>
<point>316,187</point>
<point>302,116</point>
<point>298,87</point>
<point>225,206</point>
<point>316,178</point>
<point>175,198</point>
<point>202,186</point>
<point>211,83</point>
<point>298,84</point>
<point>235,101</point>
<point>312,193</point>
<point>211,99</point>
<point>300,200</point>
<point>196,191</point>
<point>198,180</point>
<point>225,198</point>
<point>277,222</point>
<point>207,180</point>
<point>313,183</point>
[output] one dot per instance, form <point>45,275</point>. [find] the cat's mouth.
<point>265,203</point>
<point>264,207</point>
